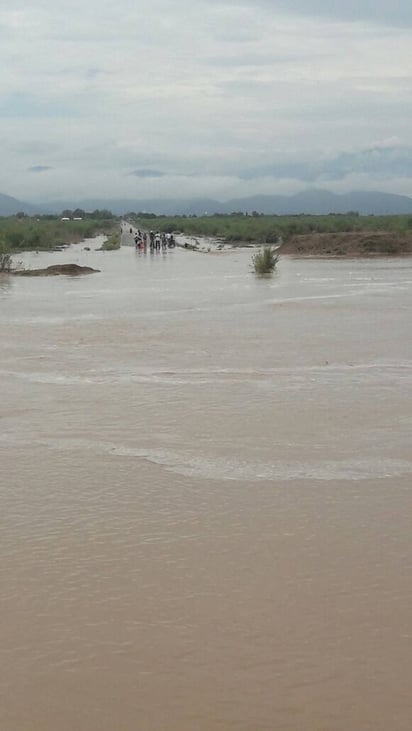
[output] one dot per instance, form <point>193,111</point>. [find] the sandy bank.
<point>351,244</point>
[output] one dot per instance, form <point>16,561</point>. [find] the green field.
<point>239,228</point>
<point>25,234</point>
<point>47,232</point>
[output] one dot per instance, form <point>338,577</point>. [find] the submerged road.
<point>127,238</point>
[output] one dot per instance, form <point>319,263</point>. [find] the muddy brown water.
<point>205,501</point>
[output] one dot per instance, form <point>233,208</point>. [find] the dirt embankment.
<point>353,244</point>
<point>72,270</point>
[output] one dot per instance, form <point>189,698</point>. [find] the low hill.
<point>312,202</point>
<point>10,206</point>
<point>323,202</point>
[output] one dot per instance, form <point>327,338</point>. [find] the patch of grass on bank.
<point>264,262</point>
<point>27,234</point>
<point>112,243</point>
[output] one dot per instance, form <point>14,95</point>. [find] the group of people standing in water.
<point>156,240</point>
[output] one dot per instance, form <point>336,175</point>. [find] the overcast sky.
<point>220,98</point>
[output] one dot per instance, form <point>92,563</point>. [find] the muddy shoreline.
<point>72,270</point>
<point>353,244</point>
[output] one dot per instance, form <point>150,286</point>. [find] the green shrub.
<point>5,258</point>
<point>112,243</point>
<point>264,262</point>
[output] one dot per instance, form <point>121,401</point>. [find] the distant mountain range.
<point>10,206</point>
<point>312,201</point>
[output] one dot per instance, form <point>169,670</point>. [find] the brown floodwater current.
<point>205,500</point>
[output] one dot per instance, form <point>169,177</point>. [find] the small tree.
<point>264,262</point>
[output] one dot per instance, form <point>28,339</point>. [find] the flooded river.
<point>205,500</point>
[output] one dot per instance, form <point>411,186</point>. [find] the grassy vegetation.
<point>264,262</point>
<point>259,229</point>
<point>25,234</point>
<point>5,258</point>
<point>22,233</point>
<point>112,243</point>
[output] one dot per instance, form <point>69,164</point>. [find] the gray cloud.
<point>27,105</point>
<point>398,13</point>
<point>234,97</point>
<point>94,73</point>
<point>385,162</point>
<point>240,60</point>
<point>145,173</point>
<point>39,168</point>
